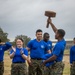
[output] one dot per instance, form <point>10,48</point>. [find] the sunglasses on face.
<point>47,36</point>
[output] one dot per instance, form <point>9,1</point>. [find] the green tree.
<point>3,35</point>
<point>25,38</point>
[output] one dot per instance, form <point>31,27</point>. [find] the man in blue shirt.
<point>58,51</point>
<point>46,38</point>
<point>3,48</point>
<point>72,59</point>
<point>37,48</point>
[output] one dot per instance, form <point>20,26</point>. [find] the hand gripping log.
<point>49,14</point>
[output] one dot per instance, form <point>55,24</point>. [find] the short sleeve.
<point>26,52</point>
<point>29,45</point>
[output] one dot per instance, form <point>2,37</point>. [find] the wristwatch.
<point>22,53</point>
<point>14,51</point>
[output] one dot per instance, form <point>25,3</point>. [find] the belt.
<point>36,58</point>
<point>18,62</point>
<point>57,61</point>
<point>1,61</point>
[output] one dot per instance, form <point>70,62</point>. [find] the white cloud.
<point>25,16</point>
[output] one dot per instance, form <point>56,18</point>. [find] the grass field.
<point>7,64</point>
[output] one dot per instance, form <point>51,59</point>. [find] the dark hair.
<point>45,34</point>
<point>20,39</point>
<point>39,30</point>
<point>61,32</point>
<point>74,38</point>
<point>0,40</point>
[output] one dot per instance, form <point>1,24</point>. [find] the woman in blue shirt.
<point>19,57</point>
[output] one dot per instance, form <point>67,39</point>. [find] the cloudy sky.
<point>26,16</point>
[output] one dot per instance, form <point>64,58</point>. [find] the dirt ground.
<point>67,65</point>
<point>7,65</point>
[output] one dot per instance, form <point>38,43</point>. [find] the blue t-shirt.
<point>58,50</point>
<point>49,43</point>
<point>3,48</point>
<point>18,57</point>
<point>37,49</point>
<point>72,54</point>
<point>45,57</point>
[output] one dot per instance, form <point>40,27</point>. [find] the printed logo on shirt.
<point>42,46</point>
<point>49,45</point>
<point>0,49</point>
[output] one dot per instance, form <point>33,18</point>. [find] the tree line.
<point>4,37</point>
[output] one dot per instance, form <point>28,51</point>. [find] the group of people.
<point>44,60</point>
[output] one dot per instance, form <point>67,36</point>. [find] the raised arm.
<point>12,52</point>
<point>52,25</point>
<point>6,46</point>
